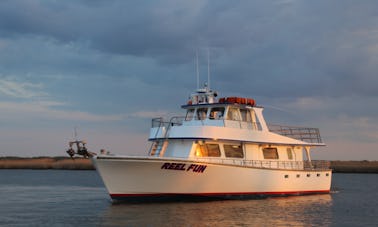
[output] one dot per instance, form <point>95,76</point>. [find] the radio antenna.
<point>208,68</point>
<point>75,132</point>
<point>197,71</point>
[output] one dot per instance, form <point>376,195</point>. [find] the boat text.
<point>184,167</point>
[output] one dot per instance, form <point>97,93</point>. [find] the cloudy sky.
<point>107,67</point>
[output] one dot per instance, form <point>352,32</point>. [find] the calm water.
<point>78,198</point>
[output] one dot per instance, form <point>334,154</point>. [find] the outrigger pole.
<point>80,148</point>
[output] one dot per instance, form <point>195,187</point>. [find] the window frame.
<point>205,151</point>
<point>245,115</point>
<point>233,114</point>
<point>199,115</point>
<point>270,153</point>
<point>289,152</point>
<point>216,113</point>
<point>190,113</point>
<point>233,152</point>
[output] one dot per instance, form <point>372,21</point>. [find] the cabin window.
<point>289,153</point>
<point>189,115</point>
<point>201,113</point>
<point>255,120</point>
<point>233,151</point>
<point>270,153</point>
<point>216,113</point>
<point>245,115</point>
<point>208,150</point>
<point>233,114</point>
<point>202,98</point>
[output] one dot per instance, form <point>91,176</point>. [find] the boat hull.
<point>157,179</point>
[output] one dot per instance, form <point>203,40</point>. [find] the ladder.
<point>158,147</point>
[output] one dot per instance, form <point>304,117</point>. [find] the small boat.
<point>221,149</point>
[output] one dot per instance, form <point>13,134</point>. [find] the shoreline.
<point>66,163</point>
<point>58,163</point>
<point>354,166</point>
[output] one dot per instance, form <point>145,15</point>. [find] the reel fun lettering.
<point>184,167</point>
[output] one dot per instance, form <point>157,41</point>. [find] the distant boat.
<point>221,149</point>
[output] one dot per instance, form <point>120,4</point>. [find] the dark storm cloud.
<point>114,62</point>
<point>139,28</point>
<point>307,48</point>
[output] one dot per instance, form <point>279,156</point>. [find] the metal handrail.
<point>178,120</point>
<point>175,121</point>
<point>306,134</point>
<point>287,165</point>
<point>311,135</point>
<point>160,122</point>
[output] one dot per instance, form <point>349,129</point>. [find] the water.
<point>78,198</point>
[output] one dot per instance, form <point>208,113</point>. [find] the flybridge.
<point>203,96</point>
<point>207,96</point>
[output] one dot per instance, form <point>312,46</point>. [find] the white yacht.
<point>221,149</point>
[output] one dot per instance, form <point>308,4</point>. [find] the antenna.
<point>75,132</point>
<point>208,68</point>
<point>197,71</point>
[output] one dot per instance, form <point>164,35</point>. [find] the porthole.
<point>318,174</point>
<point>308,175</point>
<point>286,176</point>
<point>298,175</point>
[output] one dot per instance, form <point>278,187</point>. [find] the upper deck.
<point>232,118</point>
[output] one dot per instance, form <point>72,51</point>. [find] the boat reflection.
<point>312,210</point>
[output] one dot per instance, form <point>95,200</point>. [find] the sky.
<point>105,68</point>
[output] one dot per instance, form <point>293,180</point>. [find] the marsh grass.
<point>45,163</point>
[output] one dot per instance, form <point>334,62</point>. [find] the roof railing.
<point>310,135</point>
<point>306,134</point>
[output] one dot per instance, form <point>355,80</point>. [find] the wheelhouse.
<point>231,130</point>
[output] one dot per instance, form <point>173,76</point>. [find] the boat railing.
<point>310,135</point>
<point>306,134</point>
<point>160,122</point>
<point>178,120</point>
<point>288,165</point>
<point>163,126</point>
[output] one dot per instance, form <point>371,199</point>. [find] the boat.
<point>221,149</point>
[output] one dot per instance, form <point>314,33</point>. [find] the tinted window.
<point>207,150</point>
<point>270,153</point>
<point>189,115</point>
<point>233,114</point>
<point>233,151</point>
<point>201,113</point>
<point>245,115</point>
<point>216,113</point>
<point>213,150</point>
<point>289,153</point>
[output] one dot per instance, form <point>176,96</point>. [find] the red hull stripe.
<point>220,194</point>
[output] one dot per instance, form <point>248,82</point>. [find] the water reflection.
<point>314,210</point>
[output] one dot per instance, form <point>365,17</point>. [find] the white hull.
<point>129,178</point>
